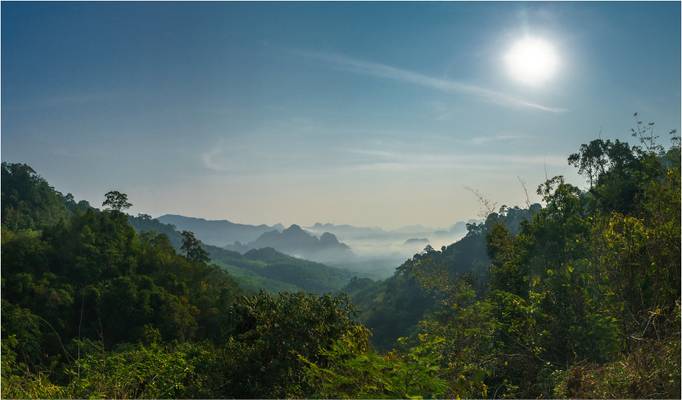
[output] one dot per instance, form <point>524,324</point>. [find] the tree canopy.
<point>576,297</point>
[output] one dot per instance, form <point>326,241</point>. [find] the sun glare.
<point>532,61</point>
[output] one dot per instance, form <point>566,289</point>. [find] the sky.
<point>372,114</point>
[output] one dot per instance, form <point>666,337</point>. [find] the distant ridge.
<point>297,242</point>
<point>218,232</point>
<point>264,268</point>
<point>345,231</point>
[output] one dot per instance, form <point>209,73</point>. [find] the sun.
<point>532,61</point>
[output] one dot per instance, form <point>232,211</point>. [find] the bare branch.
<point>488,206</point>
<point>544,164</point>
<point>525,190</point>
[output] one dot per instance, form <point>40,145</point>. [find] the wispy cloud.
<point>210,159</point>
<point>273,159</point>
<point>312,152</point>
<point>403,75</point>
<point>497,138</point>
<point>381,160</point>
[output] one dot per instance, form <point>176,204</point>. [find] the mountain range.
<point>261,268</point>
<point>299,243</point>
<point>348,232</point>
<point>369,251</point>
<point>218,232</point>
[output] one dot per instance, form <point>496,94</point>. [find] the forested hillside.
<point>392,308</point>
<point>577,297</point>
<point>92,308</point>
<point>263,268</point>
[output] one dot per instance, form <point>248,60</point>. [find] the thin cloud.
<point>380,160</point>
<point>376,153</point>
<point>444,85</point>
<point>208,159</point>
<point>497,138</point>
<point>222,159</point>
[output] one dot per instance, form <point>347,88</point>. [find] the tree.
<point>116,201</point>
<point>192,247</point>
<point>269,335</point>
<point>144,217</point>
<point>354,371</point>
<point>28,201</point>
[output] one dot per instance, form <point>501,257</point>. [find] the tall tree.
<point>192,247</point>
<point>116,201</point>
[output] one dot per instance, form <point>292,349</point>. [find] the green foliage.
<point>28,201</point>
<point>153,227</point>
<point>153,371</point>
<point>265,268</point>
<point>18,381</point>
<point>572,291</point>
<point>252,282</point>
<point>310,276</point>
<point>116,201</point>
<point>354,371</point>
<point>579,298</point>
<point>90,276</point>
<point>270,333</point>
<point>24,341</point>
<point>93,309</point>
<point>651,370</point>
<point>578,289</point>
<point>192,248</point>
<point>393,308</point>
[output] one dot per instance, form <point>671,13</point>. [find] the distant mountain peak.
<point>328,238</point>
<point>298,242</point>
<point>294,228</point>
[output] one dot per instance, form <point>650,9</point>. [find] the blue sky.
<point>362,113</point>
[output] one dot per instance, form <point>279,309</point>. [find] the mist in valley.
<point>378,252</point>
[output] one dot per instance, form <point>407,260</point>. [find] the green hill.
<point>393,307</point>
<point>258,269</point>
